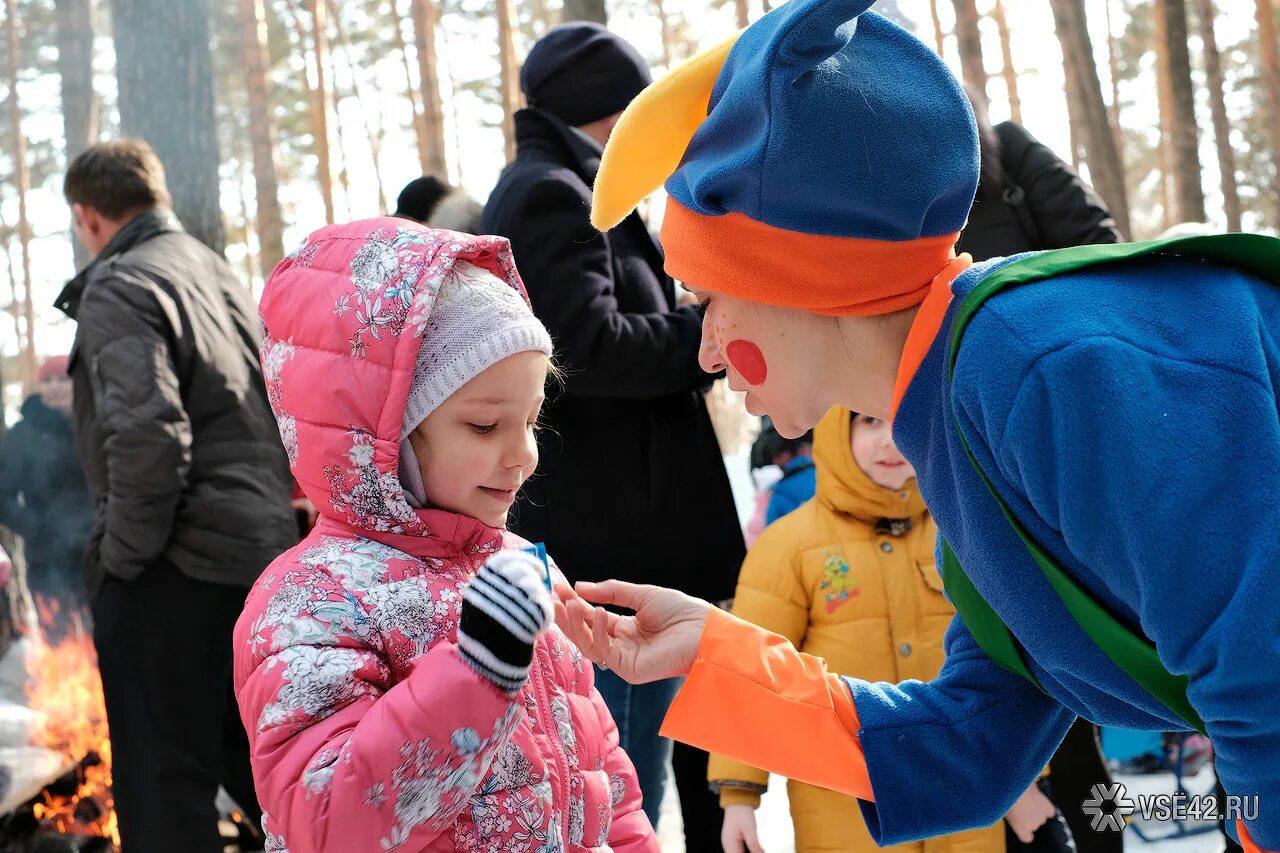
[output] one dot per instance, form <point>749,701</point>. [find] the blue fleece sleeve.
<point>956,752</point>
<point>1162,476</point>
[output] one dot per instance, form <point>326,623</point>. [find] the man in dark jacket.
<point>631,482</point>
<point>43,497</point>
<point>191,485</point>
<point>1028,199</point>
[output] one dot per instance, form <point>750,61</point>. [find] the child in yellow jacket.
<point>850,577</point>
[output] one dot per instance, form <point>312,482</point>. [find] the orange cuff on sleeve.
<point>1245,841</point>
<point>752,697</point>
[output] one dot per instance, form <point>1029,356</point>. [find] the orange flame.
<point>66,689</point>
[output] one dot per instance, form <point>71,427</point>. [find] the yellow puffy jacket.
<point>848,576</point>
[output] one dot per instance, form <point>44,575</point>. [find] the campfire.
<point>66,691</point>
<point>55,756</point>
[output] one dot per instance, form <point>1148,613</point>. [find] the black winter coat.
<point>1036,202</point>
<point>632,483</point>
<point>180,448</point>
<point>43,497</point>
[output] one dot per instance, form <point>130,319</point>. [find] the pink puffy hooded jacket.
<point>367,730</point>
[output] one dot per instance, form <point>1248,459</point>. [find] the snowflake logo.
<point>1107,808</point>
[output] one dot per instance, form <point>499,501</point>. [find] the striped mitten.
<point>504,609</point>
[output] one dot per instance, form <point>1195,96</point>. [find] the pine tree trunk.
<point>1164,93</point>
<point>509,71</point>
<point>1217,105</point>
<point>1075,111</point>
<point>585,10</point>
<point>419,129</point>
<point>969,39</point>
<point>320,105</point>
<point>424,42</point>
<point>1271,81</point>
<point>340,139</point>
<point>1163,159</point>
<point>74,37</point>
<point>1105,167</point>
<point>664,24</point>
<point>1113,65</point>
<point>1185,141</point>
<point>22,178</point>
<point>15,306</point>
<point>166,97</point>
<point>744,19</point>
<point>373,132</point>
<point>268,221</point>
<point>336,97</point>
<point>1006,53</point>
<point>247,219</point>
<point>939,38</point>
<point>459,162</point>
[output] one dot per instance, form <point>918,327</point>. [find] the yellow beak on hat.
<point>651,136</point>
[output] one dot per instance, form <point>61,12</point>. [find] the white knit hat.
<point>477,320</point>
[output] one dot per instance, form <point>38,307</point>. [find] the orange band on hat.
<point>837,276</point>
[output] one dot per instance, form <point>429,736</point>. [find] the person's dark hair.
<point>419,198</point>
<point>769,444</point>
<point>991,178</point>
<point>116,178</point>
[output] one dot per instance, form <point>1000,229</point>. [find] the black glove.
<point>504,609</point>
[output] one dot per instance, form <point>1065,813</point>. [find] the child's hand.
<point>1029,813</point>
<point>504,609</point>
<point>738,833</point>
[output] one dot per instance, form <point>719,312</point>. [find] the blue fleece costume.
<point>1128,416</point>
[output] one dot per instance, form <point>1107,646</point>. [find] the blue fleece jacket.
<point>1128,416</point>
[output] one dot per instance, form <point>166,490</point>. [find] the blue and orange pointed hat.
<point>823,159</point>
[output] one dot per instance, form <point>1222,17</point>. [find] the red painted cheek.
<point>747,359</point>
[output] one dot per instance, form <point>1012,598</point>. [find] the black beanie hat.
<point>581,72</point>
<point>419,197</point>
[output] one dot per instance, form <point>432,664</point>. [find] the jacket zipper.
<point>553,733</point>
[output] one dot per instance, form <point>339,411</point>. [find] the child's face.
<point>877,455</point>
<point>477,449</point>
<point>768,352</point>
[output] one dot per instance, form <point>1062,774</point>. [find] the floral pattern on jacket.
<point>367,730</point>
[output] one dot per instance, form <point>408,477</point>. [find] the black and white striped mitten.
<point>504,609</point>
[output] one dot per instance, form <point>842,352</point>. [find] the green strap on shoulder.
<point>1131,651</point>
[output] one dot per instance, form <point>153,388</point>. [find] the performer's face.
<point>794,366</point>
<point>770,353</point>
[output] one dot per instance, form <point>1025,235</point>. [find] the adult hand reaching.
<point>659,641</point>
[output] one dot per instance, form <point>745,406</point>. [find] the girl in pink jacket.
<point>396,671</point>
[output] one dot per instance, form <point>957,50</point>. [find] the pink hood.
<point>346,312</point>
